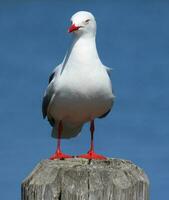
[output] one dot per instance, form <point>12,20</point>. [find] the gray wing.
<point>109,74</point>
<point>108,69</point>
<point>46,99</point>
<point>49,93</point>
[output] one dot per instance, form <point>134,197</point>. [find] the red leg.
<point>58,154</point>
<point>91,154</point>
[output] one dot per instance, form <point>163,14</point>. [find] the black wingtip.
<point>51,77</point>
<point>105,114</point>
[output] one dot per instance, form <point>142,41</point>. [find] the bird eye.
<point>87,20</point>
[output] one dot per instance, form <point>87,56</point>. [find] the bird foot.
<point>59,155</point>
<point>92,155</point>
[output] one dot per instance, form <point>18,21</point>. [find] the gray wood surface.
<point>80,179</point>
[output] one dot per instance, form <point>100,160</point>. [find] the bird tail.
<point>69,130</point>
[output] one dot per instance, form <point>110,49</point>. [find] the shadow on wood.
<point>80,179</point>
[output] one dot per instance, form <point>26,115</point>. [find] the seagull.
<point>79,88</point>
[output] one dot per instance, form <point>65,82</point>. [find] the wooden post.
<point>80,179</point>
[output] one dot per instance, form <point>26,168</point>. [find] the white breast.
<point>82,95</point>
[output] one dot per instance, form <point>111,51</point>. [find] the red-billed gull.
<point>79,88</point>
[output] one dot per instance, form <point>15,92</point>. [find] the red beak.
<point>72,28</point>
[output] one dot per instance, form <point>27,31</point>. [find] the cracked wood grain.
<point>79,179</point>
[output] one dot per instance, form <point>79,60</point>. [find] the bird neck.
<point>83,50</point>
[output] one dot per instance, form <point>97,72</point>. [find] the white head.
<point>83,23</point>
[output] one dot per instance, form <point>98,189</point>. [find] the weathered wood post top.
<point>81,179</point>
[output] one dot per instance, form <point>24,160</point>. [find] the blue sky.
<point>132,39</point>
